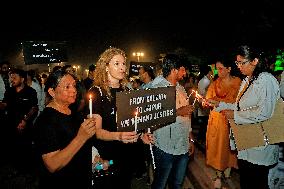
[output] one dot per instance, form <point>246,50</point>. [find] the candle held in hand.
<point>151,150</point>
<point>91,106</point>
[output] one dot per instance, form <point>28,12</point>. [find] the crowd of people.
<point>47,119</point>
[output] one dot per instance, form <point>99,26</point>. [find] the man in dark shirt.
<point>88,82</point>
<point>20,102</point>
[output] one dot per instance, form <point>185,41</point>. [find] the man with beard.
<point>173,143</point>
<point>20,102</point>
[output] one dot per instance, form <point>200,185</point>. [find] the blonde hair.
<point>101,74</point>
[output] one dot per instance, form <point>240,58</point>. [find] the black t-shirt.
<point>19,103</point>
<point>55,131</point>
<point>117,151</point>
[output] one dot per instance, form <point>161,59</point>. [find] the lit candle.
<point>151,150</point>
<point>199,96</point>
<point>135,121</point>
<point>91,106</point>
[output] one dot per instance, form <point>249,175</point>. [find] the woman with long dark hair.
<point>255,102</point>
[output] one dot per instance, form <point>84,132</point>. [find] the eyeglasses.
<point>68,87</point>
<point>241,63</point>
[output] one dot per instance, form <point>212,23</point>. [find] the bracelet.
<point>191,140</point>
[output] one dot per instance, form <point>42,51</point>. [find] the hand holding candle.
<point>205,102</point>
<point>91,106</point>
<point>197,97</point>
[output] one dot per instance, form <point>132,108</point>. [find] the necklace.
<point>60,108</point>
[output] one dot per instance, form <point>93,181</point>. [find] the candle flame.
<point>198,95</point>
<point>90,96</point>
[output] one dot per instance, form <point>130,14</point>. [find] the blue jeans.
<point>171,168</point>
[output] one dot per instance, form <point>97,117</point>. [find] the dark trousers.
<point>140,155</point>
<point>170,169</point>
<point>253,175</point>
<point>202,121</point>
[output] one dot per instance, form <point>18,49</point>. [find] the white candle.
<point>91,106</point>
<point>190,94</point>
<point>135,121</point>
<point>194,101</point>
<point>151,150</point>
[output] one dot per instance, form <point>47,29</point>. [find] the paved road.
<point>202,175</point>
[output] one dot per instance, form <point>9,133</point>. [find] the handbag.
<point>270,131</point>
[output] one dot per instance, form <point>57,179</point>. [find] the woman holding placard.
<point>110,78</point>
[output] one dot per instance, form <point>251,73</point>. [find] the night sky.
<point>201,28</point>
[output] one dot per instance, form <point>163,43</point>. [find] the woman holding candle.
<point>218,153</point>
<point>110,77</point>
<point>62,139</point>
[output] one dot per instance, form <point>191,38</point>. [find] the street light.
<point>138,54</point>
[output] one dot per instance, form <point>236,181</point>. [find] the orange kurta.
<point>218,152</point>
